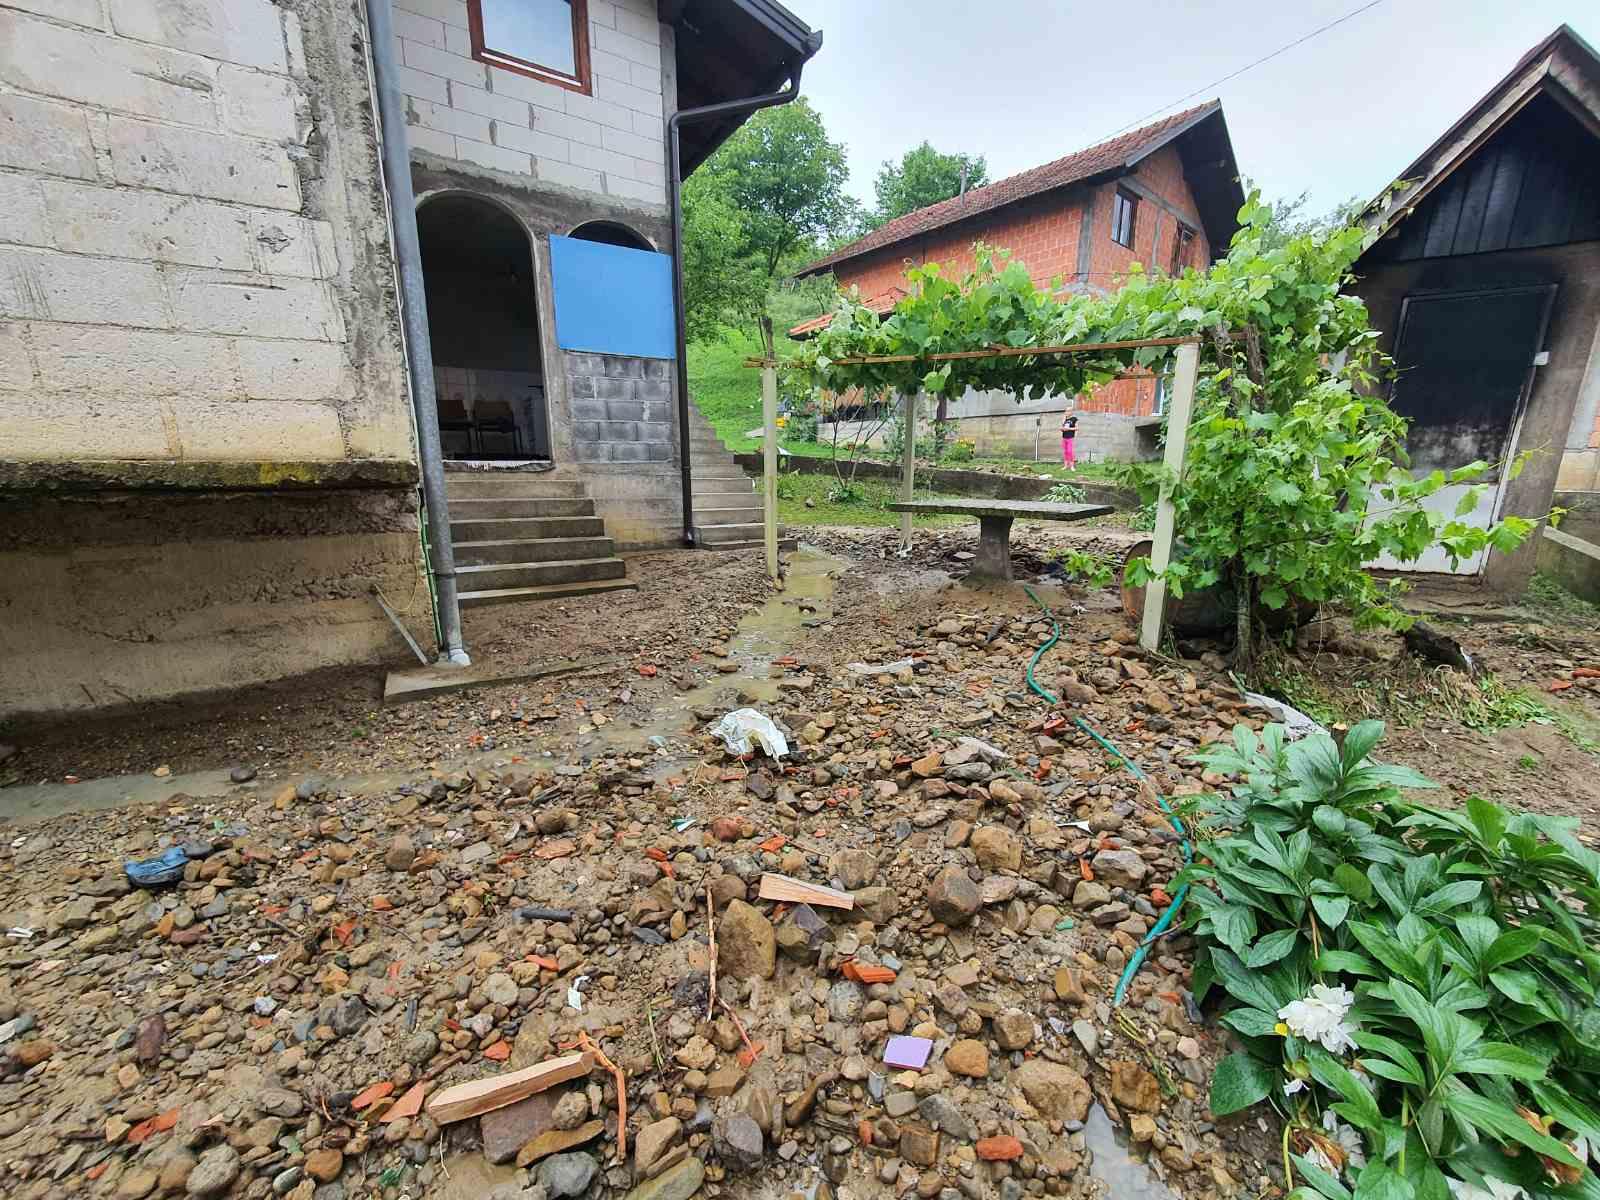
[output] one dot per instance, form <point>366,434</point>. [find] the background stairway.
<point>524,536</point>
<point>727,508</point>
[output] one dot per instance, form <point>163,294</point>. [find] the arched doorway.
<point>483,320</point>
<point>611,233</point>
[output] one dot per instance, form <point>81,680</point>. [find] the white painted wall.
<point>170,286</point>
<point>610,143</point>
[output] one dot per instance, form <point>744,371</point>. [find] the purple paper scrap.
<point>907,1053</point>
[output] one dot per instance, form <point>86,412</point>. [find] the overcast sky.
<point>1026,81</point>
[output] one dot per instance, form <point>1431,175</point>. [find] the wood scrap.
<point>473,1099</point>
<point>798,891</point>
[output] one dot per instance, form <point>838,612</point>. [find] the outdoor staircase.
<point>520,536</point>
<point>727,508</point>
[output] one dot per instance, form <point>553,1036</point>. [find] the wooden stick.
<point>1155,591</point>
<point>798,891</point>
<point>485,1095</point>
<point>593,1047</point>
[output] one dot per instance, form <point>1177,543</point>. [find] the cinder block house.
<point>221,368</point>
<point>1485,283</point>
<point>1165,195</point>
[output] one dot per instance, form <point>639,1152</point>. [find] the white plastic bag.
<point>739,727</point>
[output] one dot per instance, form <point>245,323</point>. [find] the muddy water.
<point>1125,1177</point>
<point>765,634</point>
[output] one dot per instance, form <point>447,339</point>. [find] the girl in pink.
<point>1069,430</point>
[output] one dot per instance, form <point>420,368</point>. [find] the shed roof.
<point>1202,130</point>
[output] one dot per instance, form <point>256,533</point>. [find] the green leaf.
<point>1243,983</point>
<point>1239,1082</point>
<point>1359,1108</point>
<point>1503,1122</point>
<point>1498,1058</point>
<point>1379,1181</point>
<point>1352,882</point>
<point>1272,947</point>
<point>1329,820</point>
<point>1235,926</point>
<point>1321,1182</point>
<point>1332,909</point>
<point>1252,1022</point>
<point>1510,946</point>
<point>1347,961</point>
<point>1405,1063</point>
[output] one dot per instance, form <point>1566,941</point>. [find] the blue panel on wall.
<point>611,299</point>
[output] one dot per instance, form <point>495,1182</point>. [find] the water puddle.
<point>1125,1177</point>
<point>764,635</point>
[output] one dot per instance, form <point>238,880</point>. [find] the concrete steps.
<point>727,510</point>
<point>521,536</point>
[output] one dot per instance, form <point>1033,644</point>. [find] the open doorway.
<point>483,320</point>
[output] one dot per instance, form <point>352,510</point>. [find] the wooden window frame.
<point>1132,202</point>
<point>583,81</point>
<point>1183,239</point>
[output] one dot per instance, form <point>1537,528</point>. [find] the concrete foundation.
<point>1573,561</point>
<point>116,599</point>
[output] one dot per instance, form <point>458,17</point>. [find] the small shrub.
<point>960,451</point>
<point>1066,493</point>
<point>1415,988</point>
<point>1091,569</point>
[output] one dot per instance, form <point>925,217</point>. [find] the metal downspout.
<point>675,200</point>
<point>414,312</point>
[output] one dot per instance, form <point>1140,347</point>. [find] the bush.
<point>960,451</point>
<point>1066,493</point>
<point>1415,988</point>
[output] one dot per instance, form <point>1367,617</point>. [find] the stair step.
<point>558,591</point>
<point>730,514</point>
<point>532,550</point>
<point>721,499</point>
<point>784,543</point>
<point>496,529</point>
<point>488,576</point>
<point>737,531</point>
<point>552,506</point>
<point>509,485</point>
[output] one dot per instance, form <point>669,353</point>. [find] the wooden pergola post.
<point>769,465</point>
<point>1155,592</point>
<point>908,465</point>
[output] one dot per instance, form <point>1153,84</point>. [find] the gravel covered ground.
<point>394,901</point>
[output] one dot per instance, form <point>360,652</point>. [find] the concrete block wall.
<point>192,241</point>
<point>623,440</point>
<point>610,141</point>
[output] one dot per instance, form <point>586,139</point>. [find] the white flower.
<point>1498,1189</point>
<point>1320,1017</point>
<point>1293,1086</point>
<point>1355,1154</point>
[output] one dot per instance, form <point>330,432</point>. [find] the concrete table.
<point>994,524</point>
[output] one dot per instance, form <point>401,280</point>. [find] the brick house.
<point>213,342</point>
<point>1165,196</point>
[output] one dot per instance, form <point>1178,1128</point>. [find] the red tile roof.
<point>1122,150</point>
<point>883,302</point>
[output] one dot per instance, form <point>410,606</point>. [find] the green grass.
<point>1088,472</point>
<point>867,506</point>
<point>1547,596</point>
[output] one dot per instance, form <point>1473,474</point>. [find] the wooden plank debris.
<point>798,891</point>
<point>485,1095</point>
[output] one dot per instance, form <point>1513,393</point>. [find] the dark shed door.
<point>1463,362</point>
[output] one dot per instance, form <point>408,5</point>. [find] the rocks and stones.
<point>952,897</point>
<point>738,1140</point>
<point>968,1057</point>
<point>1057,1091</point>
<point>678,1182</point>
<point>214,1173</point>
<point>1119,868</point>
<point>1088,1037</point>
<point>401,854</point>
<point>652,1142</point>
<point>1013,1029</point>
<point>563,1175</point>
<point>324,1165</point>
<point>1134,1088</point>
<point>997,848</point>
<point>846,999</point>
<point>571,1110</point>
<point>500,989</point>
<point>747,948</point>
<point>855,869</point>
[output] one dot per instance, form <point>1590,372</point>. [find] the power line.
<point>1247,67</point>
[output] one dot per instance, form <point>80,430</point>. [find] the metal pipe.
<point>726,108</point>
<point>414,314</point>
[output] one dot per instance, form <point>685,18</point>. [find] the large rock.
<point>567,1175</point>
<point>854,868</point>
<point>739,1141</point>
<point>1058,1092</point>
<point>652,1141</point>
<point>747,947</point>
<point>675,1183</point>
<point>1120,868</point>
<point>876,904</point>
<point>506,1130</point>
<point>952,897</point>
<point>215,1172</point>
<point>1013,1029</point>
<point>968,1057</point>
<point>1134,1088</point>
<point>997,848</point>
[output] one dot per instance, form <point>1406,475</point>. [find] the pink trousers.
<point>1068,458</point>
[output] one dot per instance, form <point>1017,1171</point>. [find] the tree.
<point>785,178</point>
<point>723,284</point>
<point>1287,219</point>
<point>1296,475</point>
<point>924,176</point>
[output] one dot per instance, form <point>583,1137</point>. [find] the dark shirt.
<point>1069,425</point>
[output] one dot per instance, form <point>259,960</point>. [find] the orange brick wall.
<point>1044,234</point>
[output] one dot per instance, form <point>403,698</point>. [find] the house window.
<point>1122,209</point>
<point>547,39</point>
<point>1182,249</point>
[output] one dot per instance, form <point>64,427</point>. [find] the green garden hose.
<point>1082,723</point>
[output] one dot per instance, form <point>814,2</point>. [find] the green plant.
<point>1416,988</point>
<point>1093,570</point>
<point>1296,475</point>
<point>959,451</point>
<point>1066,493</point>
<point>1528,762</point>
